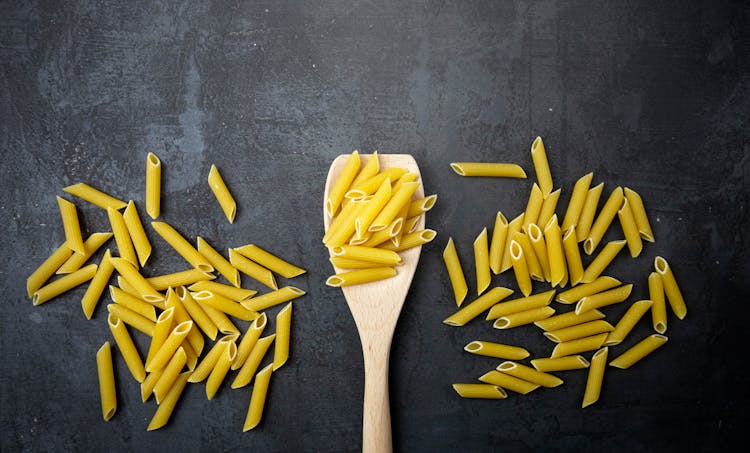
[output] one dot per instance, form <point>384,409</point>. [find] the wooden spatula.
<point>375,307</point>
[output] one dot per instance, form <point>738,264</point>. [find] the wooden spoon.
<point>375,307</point>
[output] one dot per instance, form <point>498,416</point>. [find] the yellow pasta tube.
<point>513,226</point>
<point>131,302</point>
<point>122,237</point>
<point>639,351</point>
<point>371,168</point>
<point>166,407</point>
<point>345,263</point>
<point>222,322</point>
<point>340,187</point>
<point>522,318</point>
<point>47,269</point>
<point>422,205</point>
<point>371,185</point>
<point>497,244</point>
<point>555,251</point>
<point>604,298</point>
<point>533,207</point>
<point>577,198</point>
<point>94,196</point>
<point>191,357</point>
<point>153,185</point>
<point>175,279</point>
<point>588,211</point>
<point>602,260</point>
<point>136,280</point>
<point>170,345</point>
<point>536,239</point>
<point>77,260</point>
<point>221,264</point>
<point>147,386</point>
<point>497,170</point>
<point>220,369</point>
<point>481,391</point>
<point>228,291</point>
<point>548,208</point>
<point>630,229</point>
<point>96,287</point>
<point>535,267</point>
<point>182,246</point>
<point>283,336</point>
<point>270,261</point>
<point>249,340</point>
<point>137,233</point>
<point>252,269</point>
<point>378,237</point>
<point>203,370</point>
<point>659,307</point>
<point>455,272</point>
<point>482,262</point>
<point>639,214</point>
<point>627,322</point>
<point>579,331</point>
<point>573,295</point>
<point>603,220</point>
<point>257,399</point>
<point>197,313</point>
<point>399,199</point>
<point>224,305</point>
<point>365,218</point>
<point>541,166</point>
<point>375,255</point>
<point>360,276</point>
<point>410,240</point>
<point>521,304</point>
<point>163,327</point>
<point>73,237</point>
<point>126,347</point>
<point>572,256</point>
<point>171,370</point>
<point>568,319</point>
<point>63,284</point>
<point>181,315</point>
<point>674,295</point>
<point>107,394</point>
<point>132,318</point>
<point>474,309</point>
<point>508,382</point>
<point>496,350</point>
<point>268,300</point>
<point>529,374</point>
<point>571,362</point>
<point>222,193</point>
<point>400,230</point>
<point>248,369</point>
<point>579,345</point>
<point>520,268</point>
<point>595,377</point>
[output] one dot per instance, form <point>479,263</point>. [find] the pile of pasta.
<point>373,217</point>
<point>539,248</point>
<point>178,310</point>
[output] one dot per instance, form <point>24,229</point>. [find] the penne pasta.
<point>340,187</point>
<point>220,369</point>
<point>346,263</point>
<point>639,214</point>
<point>541,166</point>
<point>170,373</point>
<point>529,374</point>
<point>249,340</point>
<point>604,298</point>
<point>73,237</point>
<point>496,170</point>
<point>252,269</point>
<point>627,322</point>
<point>521,304</point>
<point>577,199</point>
<point>133,303</point>
<point>595,377</point>
<point>170,346</point>
<point>375,255</point>
<point>630,229</point>
<point>94,196</point>
<point>482,262</point>
<point>164,325</point>
<point>96,287</point>
<point>270,261</point>
<point>572,256</point>
<point>574,332</point>
<point>182,246</point>
<point>400,198</point>
<point>536,239</point>
<point>360,276</point>
<point>228,291</point>
<point>602,260</point>
<point>555,251</point>
<point>222,322</point>
<point>222,193</point>
<point>197,313</point>
<point>672,291</point>
<point>63,284</point>
<point>659,307</point>
<point>588,211</point>
<point>181,315</point>
<point>203,370</point>
<point>534,266</point>
<point>639,351</point>
<point>76,260</point>
<point>248,369</point>
<point>533,207</point>
<point>283,336</point>
<point>126,347</point>
<point>568,319</point>
<point>181,278</point>
<point>508,382</point>
<point>513,226</point>
<point>125,248</point>
<point>573,295</point>
<point>474,309</point>
<point>455,272</point>
<point>257,399</point>
<point>47,269</point>
<point>147,386</point>
<point>107,394</point>
<point>579,345</point>
<point>371,185</point>
<point>137,233</point>
<point>132,318</point>
<point>496,350</point>
<point>481,391</point>
<point>406,178</point>
<point>522,318</point>
<point>224,304</point>
<point>497,244</point>
<point>139,284</point>
<point>603,220</point>
<point>153,185</point>
<point>520,268</point>
<point>166,407</point>
<point>221,264</point>
<point>548,208</point>
<point>571,362</point>
<point>410,240</point>
<point>421,205</point>
<point>371,168</point>
<point>365,217</point>
<point>268,300</point>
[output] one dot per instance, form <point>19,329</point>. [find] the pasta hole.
<point>429,202</point>
<point>583,361</point>
<point>260,322</point>
<point>660,327</point>
<point>515,250</point>
<point>506,366</point>
<point>152,298</point>
<point>153,160</point>
<point>165,315</point>
<point>458,169</point>
<point>588,246</point>
<point>110,414</point>
<point>203,295</point>
<point>501,323</point>
<point>535,145</point>
<point>552,337</point>
<point>183,327</point>
<point>181,292</point>
<point>205,267</point>
<point>661,265</point>
<point>428,235</point>
<point>334,281</point>
<point>474,346</point>
<point>294,290</point>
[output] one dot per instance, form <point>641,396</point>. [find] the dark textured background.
<point>654,95</point>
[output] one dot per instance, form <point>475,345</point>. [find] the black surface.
<point>653,95</point>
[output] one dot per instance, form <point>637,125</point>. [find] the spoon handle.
<point>376,424</point>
